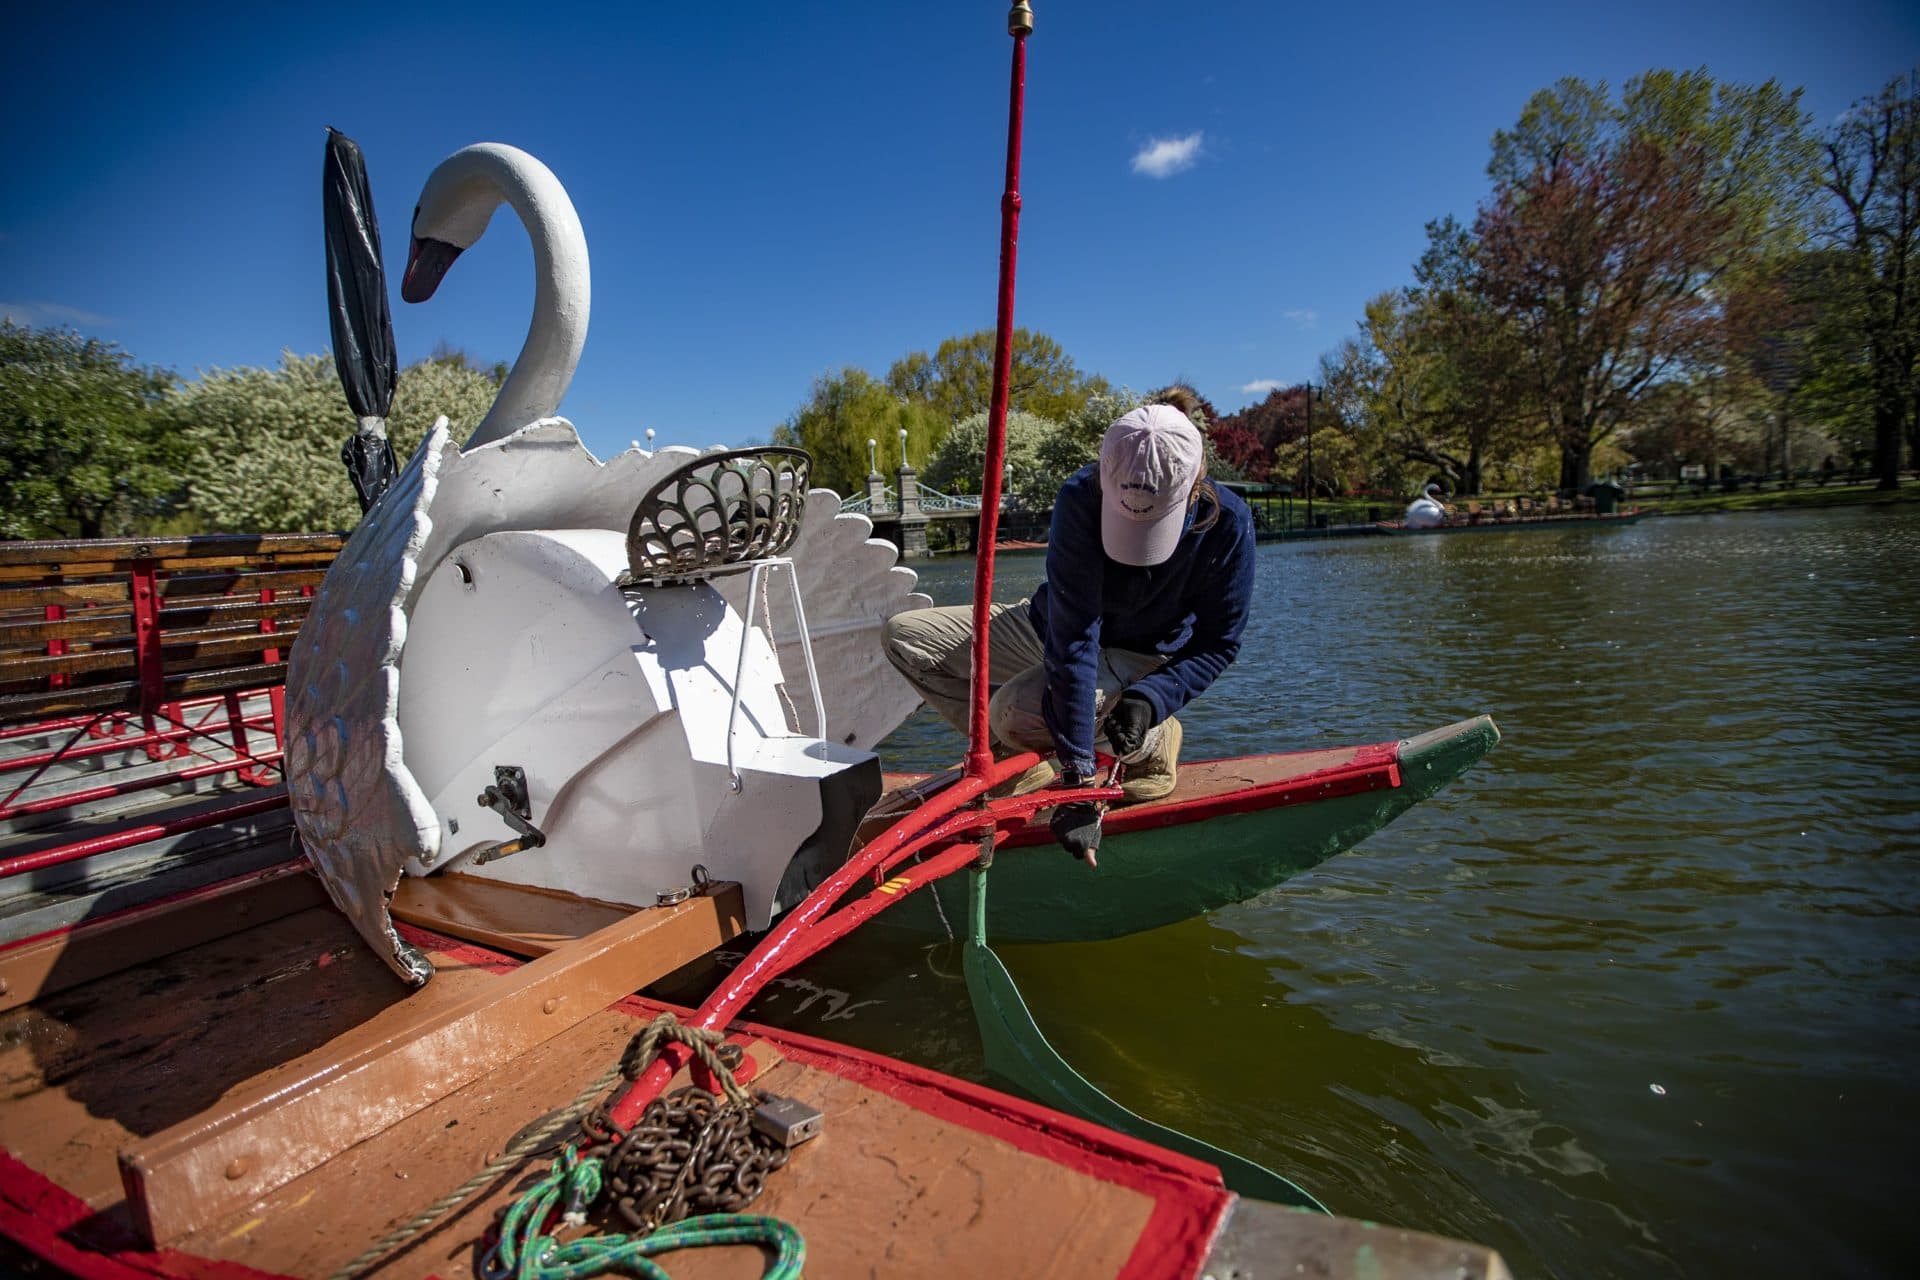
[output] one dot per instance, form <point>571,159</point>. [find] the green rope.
<point>642,1051</point>
<point>524,1253</point>
<point>490,1174</point>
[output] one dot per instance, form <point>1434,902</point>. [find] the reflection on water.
<point>1693,863</point>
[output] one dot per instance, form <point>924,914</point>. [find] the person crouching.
<point>1149,579</point>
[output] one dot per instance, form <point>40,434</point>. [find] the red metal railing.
<point>119,649</point>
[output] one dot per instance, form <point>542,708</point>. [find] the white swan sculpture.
<point>455,206</point>
<point>1425,512</point>
<point>480,627</point>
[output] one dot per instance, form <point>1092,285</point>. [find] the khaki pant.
<point>933,649</point>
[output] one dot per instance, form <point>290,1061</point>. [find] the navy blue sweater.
<point>1191,608</point>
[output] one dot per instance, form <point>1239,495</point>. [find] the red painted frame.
<point>166,734</point>
<point>1190,1201</point>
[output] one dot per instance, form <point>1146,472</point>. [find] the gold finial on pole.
<point>1020,19</point>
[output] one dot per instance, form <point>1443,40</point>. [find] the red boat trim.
<point>51,1223</point>
<point>1372,768</point>
<point>1188,1196</point>
<point>113,723</point>
<point>1189,1200</point>
<point>467,953</point>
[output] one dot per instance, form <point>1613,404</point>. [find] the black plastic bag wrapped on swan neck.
<point>362,324</point>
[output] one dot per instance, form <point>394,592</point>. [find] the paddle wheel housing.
<point>652,723</point>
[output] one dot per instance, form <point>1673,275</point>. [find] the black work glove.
<point>1076,825</point>
<point>1126,727</point>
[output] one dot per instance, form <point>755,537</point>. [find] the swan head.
<point>455,207</point>
<point>456,204</point>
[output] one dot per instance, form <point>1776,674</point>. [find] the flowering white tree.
<point>266,443</point>
<point>956,462</point>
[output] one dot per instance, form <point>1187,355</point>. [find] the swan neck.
<point>561,302</point>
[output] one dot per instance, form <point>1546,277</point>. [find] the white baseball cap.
<point>1149,463</point>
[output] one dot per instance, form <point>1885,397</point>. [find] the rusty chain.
<point>690,1153</point>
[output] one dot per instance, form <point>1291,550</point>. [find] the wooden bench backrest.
<point>128,624</point>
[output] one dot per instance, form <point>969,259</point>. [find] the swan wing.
<point>358,809</point>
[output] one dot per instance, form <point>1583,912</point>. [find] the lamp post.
<point>903,448</point>
<point>873,458</point>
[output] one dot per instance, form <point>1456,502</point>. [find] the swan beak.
<point>427,264</point>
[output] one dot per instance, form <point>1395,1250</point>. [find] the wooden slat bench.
<point>171,648</point>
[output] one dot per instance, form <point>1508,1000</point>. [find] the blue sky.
<point>774,190</point>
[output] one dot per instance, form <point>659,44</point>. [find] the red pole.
<point>57,648</point>
<point>979,748</point>
<point>146,637</point>
<point>945,815</point>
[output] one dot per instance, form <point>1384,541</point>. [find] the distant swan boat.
<point>1425,512</point>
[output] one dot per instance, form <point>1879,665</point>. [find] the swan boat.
<point>1569,520</point>
<point>1425,511</point>
<point>544,744</point>
<point>520,647</point>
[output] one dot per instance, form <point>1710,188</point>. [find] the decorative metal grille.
<point>719,509</point>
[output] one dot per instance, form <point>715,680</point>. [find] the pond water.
<point>1639,995</point>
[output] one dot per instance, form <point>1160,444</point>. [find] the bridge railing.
<point>888,504</point>
<point>934,500</point>
<point>929,501</point>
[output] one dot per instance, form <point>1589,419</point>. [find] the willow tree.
<point>956,380</point>
<point>845,410</point>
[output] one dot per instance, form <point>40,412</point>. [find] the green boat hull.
<point>1161,863</point>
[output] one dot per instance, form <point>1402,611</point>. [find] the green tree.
<point>1338,466</point>
<point>956,381</point>
<point>1784,321</point>
<point>266,442</point>
<point>1755,154</point>
<point>1839,389</point>
<point>1872,173</point>
<point>1075,442</point>
<point>1351,375</point>
<point>1476,402</point>
<point>845,410</point>
<point>1615,229</point>
<point>82,451</point>
<point>1398,378</point>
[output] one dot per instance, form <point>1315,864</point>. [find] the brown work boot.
<point>1032,780</point>
<point>1153,778</point>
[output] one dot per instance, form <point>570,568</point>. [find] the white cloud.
<point>39,314</point>
<point>1303,317</point>
<point>1164,157</point>
<point>1261,387</point>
